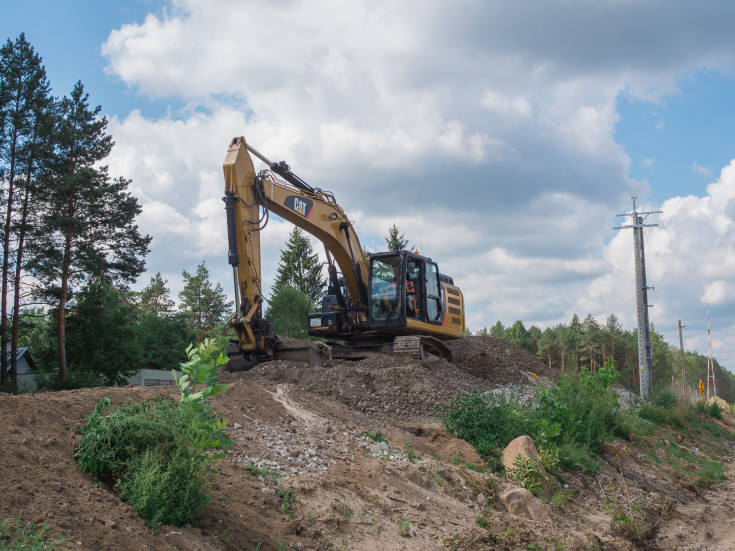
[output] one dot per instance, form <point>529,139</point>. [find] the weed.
<point>714,410</point>
<point>411,454</point>
<point>287,500</point>
<point>377,437</point>
<point>258,471</point>
<point>404,527</point>
<point>18,534</point>
<point>527,473</point>
<point>437,457</point>
<point>483,522</point>
<point>285,546</point>
<point>562,497</point>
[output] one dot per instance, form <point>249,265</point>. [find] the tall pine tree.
<point>299,267</point>
<point>89,223</point>
<point>203,306</point>
<point>26,125</point>
<point>396,242</point>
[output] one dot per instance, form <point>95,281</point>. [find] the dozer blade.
<point>312,352</point>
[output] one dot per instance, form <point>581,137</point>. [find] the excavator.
<point>394,302</point>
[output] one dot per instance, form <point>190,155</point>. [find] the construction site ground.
<point>311,429</point>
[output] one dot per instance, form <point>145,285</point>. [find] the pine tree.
<point>203,306</point>
<point>89,223</point>
<point>156,298</point>
<point>396,242</point>
<point>299,267</point>
<point>26,124</point>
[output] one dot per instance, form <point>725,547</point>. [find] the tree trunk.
<point>61,317</point>
<point>6,264</point>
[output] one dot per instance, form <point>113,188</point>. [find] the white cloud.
<point>485,130</point>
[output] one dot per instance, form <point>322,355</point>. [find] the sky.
<point>502,137</point>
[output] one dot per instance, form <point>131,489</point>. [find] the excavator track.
<point>419,347</point>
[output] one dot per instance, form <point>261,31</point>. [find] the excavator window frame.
<point>421,283</point>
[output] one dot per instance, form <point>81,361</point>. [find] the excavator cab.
<point>403,286</point>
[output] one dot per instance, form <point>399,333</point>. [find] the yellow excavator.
<point>394,302</point>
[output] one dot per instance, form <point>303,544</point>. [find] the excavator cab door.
<point>386,290</point>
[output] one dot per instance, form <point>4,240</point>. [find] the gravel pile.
<point>400,388</point>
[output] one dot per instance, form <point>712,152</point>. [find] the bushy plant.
<point>568,422</point>
<point>714,410</point>
<point>159,453</point>
<point>665,399</point>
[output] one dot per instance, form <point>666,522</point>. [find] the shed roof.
<point>21,352</point>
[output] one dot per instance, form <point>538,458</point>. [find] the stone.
<point>295,452</point>
<point>521,503</point>
<point>523,446</point>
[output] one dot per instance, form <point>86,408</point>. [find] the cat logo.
<point>300,205</point>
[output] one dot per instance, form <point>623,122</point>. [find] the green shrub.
<point>570,421</point>
<point>714,410</point>
<point>665,399</point>
<point>167,489</point>
<point>158,453</point>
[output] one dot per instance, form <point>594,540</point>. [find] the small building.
<point>26,364</point>
<point>153,377</point>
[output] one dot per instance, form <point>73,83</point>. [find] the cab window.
<point>434,312</point>
<point>384,292</point>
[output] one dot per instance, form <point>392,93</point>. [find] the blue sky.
<point>504,138</point>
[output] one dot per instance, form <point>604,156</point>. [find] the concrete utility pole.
<point>644,333</point>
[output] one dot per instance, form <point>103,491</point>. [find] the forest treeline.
<point>587,344</point>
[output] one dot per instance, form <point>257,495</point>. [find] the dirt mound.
<point>355,445</point>
<point>386,385</point>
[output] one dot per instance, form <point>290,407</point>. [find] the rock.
<point>523,446</point>
<point>56,487</point>
<point>481,499</point>
<point>295,452</point>
<point>521,503</point>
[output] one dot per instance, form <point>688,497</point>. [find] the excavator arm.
<point>249,198</point>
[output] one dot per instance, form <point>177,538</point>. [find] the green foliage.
<point>404,527</point>
<point>660,415</point>
<point>527,473</point>
<point>714,410</point>
<point>299,268</point>
<point>17,534</point>
<point>167,488</point>
<point>287,311</point>
<point>258,471</point>
<point>569,422</point>
<point>101,334</point>
<point>158,452</point>
<point>377,437</point>
<point>411,454</point>
<point>287,497</point>
<point>665,399</point>
<point>203,305</point>
<point>396,242</point>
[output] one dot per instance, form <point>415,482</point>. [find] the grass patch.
<point>16,534</point>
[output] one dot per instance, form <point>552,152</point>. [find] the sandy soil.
<point>307,425</point>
